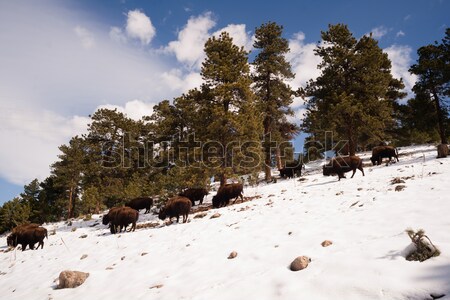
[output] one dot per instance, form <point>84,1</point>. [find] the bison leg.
<point>185,217</point>
<point>178,218</point>
<point>41,243</point>
<point>147,210</point>
<point>24,246</point>
<point>341,175</point>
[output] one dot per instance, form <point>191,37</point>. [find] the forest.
<point>239,123</point>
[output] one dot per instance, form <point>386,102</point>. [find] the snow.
<point>364,217</point>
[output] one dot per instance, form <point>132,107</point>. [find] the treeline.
<point>238,123</point>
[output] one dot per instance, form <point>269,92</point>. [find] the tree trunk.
<point>440,117</point>
<point>351,143</point>
<point>69,210</point>
<point>223,179</point>
<point>442,150</point>
<point>278,158</point>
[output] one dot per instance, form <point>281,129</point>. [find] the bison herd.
<point>119,218</point>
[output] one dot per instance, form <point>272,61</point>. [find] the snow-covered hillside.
<point>364,217</point>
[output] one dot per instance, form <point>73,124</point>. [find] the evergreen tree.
<point>433,71</point>
<point>31,197</point>
<point>354,95</point>
<point>68,172</point>
<point>274,95</point>
<point>13,213</point>
<point>234,129</point>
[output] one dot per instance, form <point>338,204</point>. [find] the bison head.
<point>216,201</point>
<point>162,214</point>
<point>105,219</point>
<point>327,170</point>
<point>11,239</point>
<point>373,160</point>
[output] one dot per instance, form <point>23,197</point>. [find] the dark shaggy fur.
<point>140,203</point>
<point>226,193</point>
<point>176,207</point>
<point>27,235</point>
<point>380,152</point>
<point>194,194</point>
<point>120,217</point>
<point>341,165</point>
<point>291,169</point>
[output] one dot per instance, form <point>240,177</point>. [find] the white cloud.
<point>86,37</point>
<point>400,33</point>
<point>400,57</point>
<point>188,49</point>
<point>139,26</point>
<point>240,36</point>
<point>378,32</point>
<point>303,61</point>
<point>135,109</point>
<point>49,83</point>
<point>117,35</point>
<point>32,136</point>
<point>177,80</point>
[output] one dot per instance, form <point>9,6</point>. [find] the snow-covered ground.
<point>364,217</point>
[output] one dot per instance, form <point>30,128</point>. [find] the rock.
<point>399,188</point>
<point>216,215</point>
<point>71,279</point>
<point>232,255</point>
<point>326,243</point>
<point>397,180</point>
<point>74,229</point>
<point>144,253</point>
<point>84,256</point>
<point>83,236</point>
<point>200,215</point>
<point>300,263</point>
<point>158,286</point>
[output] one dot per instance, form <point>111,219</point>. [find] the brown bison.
<point>341,165</point>
<point>226,193</point>
<point>176,207</point>
<point>140,203</point>
<point>120,217</point>
<point>380,152</point>
<point>29,234</point>
<point>291,169</point>
<point>194,194</point>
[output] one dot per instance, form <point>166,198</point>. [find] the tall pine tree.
<point>234,130</point>
<point>353,97</point>
<point>433,71</point>
<point>274,95</point>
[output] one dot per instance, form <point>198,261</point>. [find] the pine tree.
<point>433,70</point>
<point>68,172</point>
<point>274,95</point>
<point>234,128</point>
<point>354,95</point>
<point>13,213</point>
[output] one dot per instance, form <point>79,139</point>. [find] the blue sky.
<point>62,60</point>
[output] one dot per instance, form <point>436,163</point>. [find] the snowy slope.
<point>364,217</point>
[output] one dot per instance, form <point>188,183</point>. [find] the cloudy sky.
<point>62,60</point>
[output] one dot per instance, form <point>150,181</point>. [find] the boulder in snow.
<point>326,243</point>
<point>232,255</point>
<point>300,263</point>
<point>71,279</point>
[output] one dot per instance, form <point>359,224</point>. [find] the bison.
<point>120,217</point>
<point>226,193</point>
<point>27,235</point>
<point>194,194</point>
<point>380,152</point>
<point>341,165</point>
<point>140,203</point>
<point>291,169</point>
<point>176,207</point>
